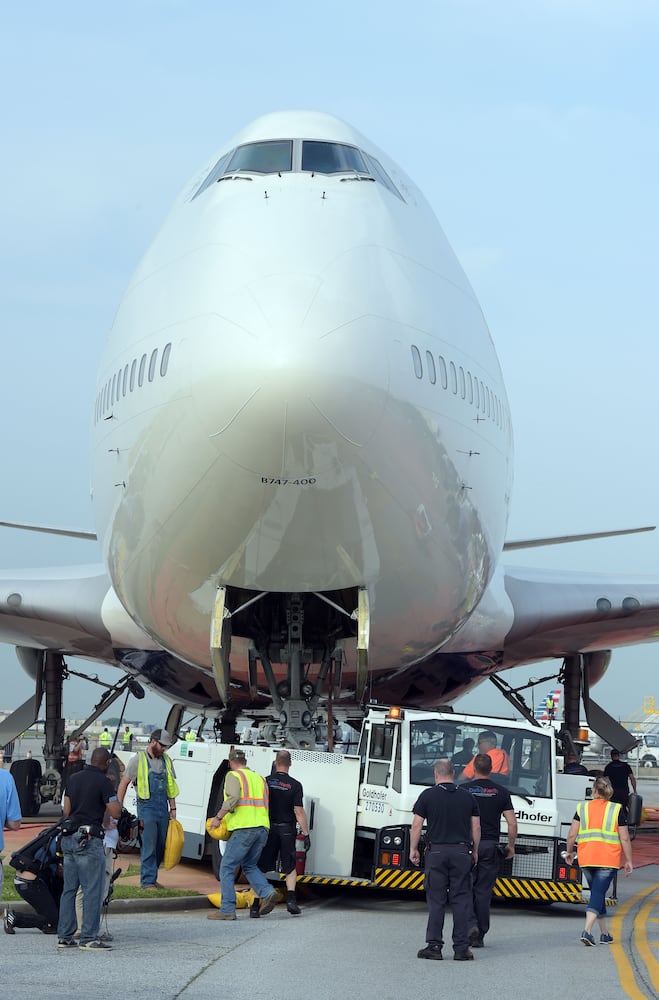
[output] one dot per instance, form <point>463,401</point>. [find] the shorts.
<point>280,844</point>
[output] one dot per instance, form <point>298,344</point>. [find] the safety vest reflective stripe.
<point>252,807</point>
<point>143,777</point>
<point>599,840</point>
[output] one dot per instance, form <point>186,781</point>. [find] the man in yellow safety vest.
<point>245,806</point>
<point>152,772</point>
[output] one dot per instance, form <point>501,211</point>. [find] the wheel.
<point>648,761</point>
<point>26,774</point>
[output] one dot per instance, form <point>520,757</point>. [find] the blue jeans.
<point>599,880</point>
<point>84,866</point>
<point>243,848</point>
<point>154,813</point>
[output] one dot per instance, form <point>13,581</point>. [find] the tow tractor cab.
<point>397,752</point>
<point>359,805</point>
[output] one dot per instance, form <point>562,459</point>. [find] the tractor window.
<point>379,754</point>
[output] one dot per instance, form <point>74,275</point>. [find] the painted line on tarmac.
<point>626,972</point>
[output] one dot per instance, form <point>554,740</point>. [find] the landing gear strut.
<point>298,631</point>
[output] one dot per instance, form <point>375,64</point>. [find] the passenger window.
<point>416,361</point>
<point>430,362</point>
<point>262,157</point>
<point>140,377</point>
<point>152,365</point>
<point>133,369</point>
<point>443,376</point>
<point>454,379</point>
<point>124,381</point>
<point>331,158</point>
<point>164,361</point>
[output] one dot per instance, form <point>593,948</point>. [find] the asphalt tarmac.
<point>345,944</point>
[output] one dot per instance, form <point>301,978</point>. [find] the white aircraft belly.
<point>291,447</point>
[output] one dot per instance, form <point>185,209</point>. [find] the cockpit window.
<point>214,175</point>
<point>279,156</point>
<point>381,174</point>
<point>262,157</point>
<point>331,158</point>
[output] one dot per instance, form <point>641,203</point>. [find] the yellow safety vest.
<point>598,839</point>
<point>143,776</point>
<point>105,739</point>
<point>126,738</point>
<point>252,807</point>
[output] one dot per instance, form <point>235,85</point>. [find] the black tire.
<point>26,774</point>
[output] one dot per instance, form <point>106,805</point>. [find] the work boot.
<point>268,903</point>
<point>254,908</point>
<point>432,951</point>
<point>291,905</point>
<point>475,937</point>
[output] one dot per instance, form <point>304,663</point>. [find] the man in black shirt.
<point>286,811</point>
<point>573,765</point>
<point>452,839</point>
<point>620,774</point>
<point>88,794</point>
<point>493,802</point>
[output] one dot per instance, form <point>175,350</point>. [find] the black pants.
<point>485,875</point>
<point>448,880</point>
<point>38,895</point>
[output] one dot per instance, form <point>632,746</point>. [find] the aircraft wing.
<point>558,613</point>
<point>71,610</point>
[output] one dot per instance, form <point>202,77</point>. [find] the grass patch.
<point>135,892</point>
<point>9,894</point>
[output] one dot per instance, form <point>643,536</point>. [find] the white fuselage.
<point>320,407</point>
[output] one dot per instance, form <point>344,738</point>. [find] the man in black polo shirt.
<point>620,774</point>
<point>452,839</point>
<point>286,811</point>
<point>88,794</point>
<point>493,802</point>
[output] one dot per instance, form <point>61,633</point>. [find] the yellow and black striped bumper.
<point>330,880</point>
<point>411,880</point>
<point>538,890</point>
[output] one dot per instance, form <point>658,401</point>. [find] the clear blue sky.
<point>531,127</point>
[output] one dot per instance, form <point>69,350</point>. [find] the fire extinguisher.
<point>300,855</point>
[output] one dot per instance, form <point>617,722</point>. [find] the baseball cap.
<point>162,736</point>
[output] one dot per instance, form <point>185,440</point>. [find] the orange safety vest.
<point>598,839</point>
<point>500,763</point>
<point>75,752</point>
<point>252,807</point>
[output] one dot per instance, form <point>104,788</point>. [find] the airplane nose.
<point>304,365</point>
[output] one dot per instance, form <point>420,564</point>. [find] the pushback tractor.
<point>359,803</point>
